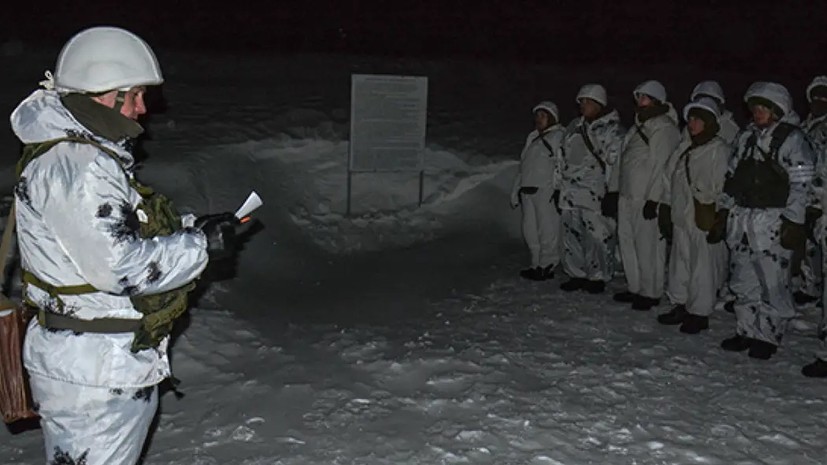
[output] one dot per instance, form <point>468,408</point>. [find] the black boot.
<point>674,316</point>
<point>644,303</point>
<point>817,369</point>
<point>694,324</point>
<point>736,343</point>
<point>626,297</point>
<point>595,287</point>
<point>528,273</point>
<point>803,299</point>
<point>548,272</point>
<point>574,284</point>
<point>730,306</point>
<point>762,349</point>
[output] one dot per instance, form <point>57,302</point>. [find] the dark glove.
<point>555,199</point>
<point>665,221</point>
<point>220,231</point>
<point>793,235</point>
<point>718,231</point>
<point>704,215</point>
<point>650,210</point>
<point>608,206</point>
<point>812,215</point>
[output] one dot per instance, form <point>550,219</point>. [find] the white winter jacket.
<point>77,224</point>
<point>642,163</point>
<point>583,180</point>
<point>816,130</point>
<point>539,166</point>
<point>698,173</point>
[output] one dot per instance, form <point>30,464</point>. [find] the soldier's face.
<point>589,108</point>
<point>761,116</point>
<point>542,120</point>
<point>133,103</point>
<point>644,101</point>
<point>695,126</point>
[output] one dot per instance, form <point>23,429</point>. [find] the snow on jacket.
<point>539,167</point>
<point>816,130</point>
<point>795,156</point>
<point>77,221</point>
<point>583,181</point>
<point>729,128</point>
<point>642,164</point>
<point>698,173</point>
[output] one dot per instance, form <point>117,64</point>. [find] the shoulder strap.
<point>545,142</point>
<point>639,130</point>
<point>33,151</point>
<point>779,136</point>
<point>588,142</point>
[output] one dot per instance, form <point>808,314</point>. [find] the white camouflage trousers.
<point>761,280</point>
<point>588,245</point>
<point>642,249</point>
<point>697,270</point>
<point>541,228</point>
<point>93,425</point>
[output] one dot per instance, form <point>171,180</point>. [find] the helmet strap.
<point>119,101</point>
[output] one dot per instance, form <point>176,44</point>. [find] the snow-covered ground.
<point>401,335</point>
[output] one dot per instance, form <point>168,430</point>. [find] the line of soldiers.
<point>735,214</point>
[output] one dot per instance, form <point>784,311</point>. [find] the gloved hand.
<point>793,235</point>
<point>704,215</point>
<point>220,231</point>
<point>555,199</point>
<point>665,221</point>
<point>718,231</point>
<point>608,206</point>
<point>650,210</point>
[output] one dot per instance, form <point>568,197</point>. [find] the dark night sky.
<point>753,35</point>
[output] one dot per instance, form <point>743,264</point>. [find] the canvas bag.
<point>15,394</point>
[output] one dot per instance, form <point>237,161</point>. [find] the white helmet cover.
<point>704,103</point>
<point>101,59</point>
<point>595,92</point>
<point>653,89</point>
<point>772,91</point>
<point>818,81</point>
<point>549,106</point>
<point>710,88</point>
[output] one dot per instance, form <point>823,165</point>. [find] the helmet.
<point>708,88</point>
<point>704,103</point>
<point>771,92</point>
<point>818,81</point>
<point>549,107</point>
<point>653,89</point>
<point>595,92</point>
<point>105,58</point>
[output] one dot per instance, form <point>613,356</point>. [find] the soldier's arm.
<point>662,144</point>
<point>98,229</point>
<point>798,159</point>
<point>709,183</point>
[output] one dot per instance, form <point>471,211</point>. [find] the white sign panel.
<point>388,119</point>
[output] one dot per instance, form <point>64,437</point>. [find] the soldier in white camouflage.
<point>761,213</point>
<point>591,149</point>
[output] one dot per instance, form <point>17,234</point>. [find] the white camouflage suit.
<point>812,275</point>
<point>588,236</point>
<point>697,269</point>
<point>642,163</point>
<point>540,168</point>
<point>77,224</point>
<point>760,272</point>
<point>816,129</point>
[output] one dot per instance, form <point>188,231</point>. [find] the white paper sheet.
<point>253,201</point>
